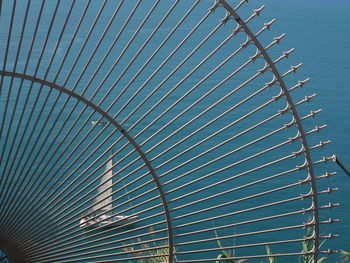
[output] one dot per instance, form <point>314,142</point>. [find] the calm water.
<point>319,30</point>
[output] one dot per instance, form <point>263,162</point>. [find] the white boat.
<point>100,215</point>
<point>100,123</point>
<point>106,221</point>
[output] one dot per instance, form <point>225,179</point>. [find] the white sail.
<point>105,189</point>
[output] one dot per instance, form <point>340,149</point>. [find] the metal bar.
<point>128,84</point>
<point>63,244</point>
<point>336,159</point>
<point>120,56</point>
<point>90,31</point>
<point>19,90</point>
<point>283,255</point>
<point>126,135</point>
<point>59,70</point>
<point>235,122</point>
<point>302,197</point>
<point>46,74</point>
<point>71,240</point>
<point>232,225</point>
<point>72,224</point>
<point>71,70</point>
<point>295,114</point>
<point>99,133</point>
<point>28,59</point>
<point>119,35</point>
<point>169,92</point>
<point>233,201</point>
<point>294,170</point>
<point>59,181</point>
<point>240,235</point>
<point>3,180</point>
<point>144,20</point>
<point>6,54</point>
<point>299,183</point>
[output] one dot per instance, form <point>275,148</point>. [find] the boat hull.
<point>106,221</point>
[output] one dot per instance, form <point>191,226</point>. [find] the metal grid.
<point>209,150</point>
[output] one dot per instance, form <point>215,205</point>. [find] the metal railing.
<point>210,155</point>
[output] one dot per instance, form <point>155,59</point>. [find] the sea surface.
<point>319,30</point>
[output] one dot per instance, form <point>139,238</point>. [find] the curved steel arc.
<point>283,86</point>
<point>125,134</point>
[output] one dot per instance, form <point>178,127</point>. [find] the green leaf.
<point>270,259</point>
<point>321,260</point>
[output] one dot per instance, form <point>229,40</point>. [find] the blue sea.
<point>319,30</point>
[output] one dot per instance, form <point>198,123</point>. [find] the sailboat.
<point>99,123</point>
<point>101,215</point>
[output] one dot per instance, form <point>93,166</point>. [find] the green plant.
<point>308,246</point>
<point>226,253</point>
<point>270,259</point>
<point>345,255</point>
<point>149,252</point>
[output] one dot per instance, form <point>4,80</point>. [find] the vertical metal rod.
<point>197,25</point>
<point>88,133</point>
<point>17,96</point>
<point>46,74</point>
<point>336,159</point>
<point>112,46</point>
<point>27,64</point>
<point>4,180</point>
<point>64,58</point>
<point>6,53</point>
<point>42,51</point>
<point>295,114</point>
<point>70,188</point>
<point>26,192</point>
<point>132,142</point>
<point>75,63</point>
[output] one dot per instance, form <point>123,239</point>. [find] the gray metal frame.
<point>179,240</point>
<point>283,86</point>
<point>119,128</point>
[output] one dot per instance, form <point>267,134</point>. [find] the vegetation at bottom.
<point>156,252</point>
<point>149,252</point>
<point>344,256</point>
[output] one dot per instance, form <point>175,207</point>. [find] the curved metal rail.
<point>208,148</point>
